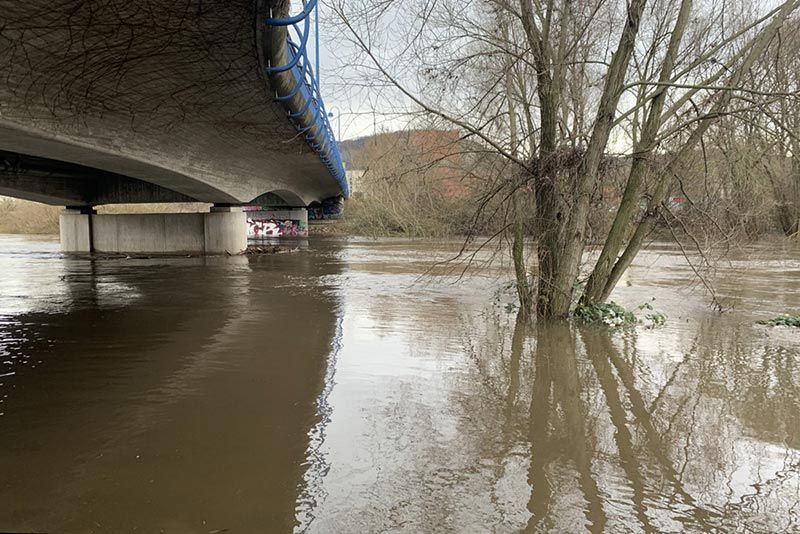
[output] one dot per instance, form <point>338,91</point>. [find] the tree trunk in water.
<point>643,229</point>
<point>595,286</point>
<point>789,212</point>
<point>518,254</point>
<point>676,165</point>
<point>559,256</point>
<point>565,178</point>
<point>788,218</point>
<point>518,227</point>
<point>562,222</point>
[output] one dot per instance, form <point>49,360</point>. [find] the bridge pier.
<point>223,230</point>
<point>75,229</point>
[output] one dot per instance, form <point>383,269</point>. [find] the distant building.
<point>436,155</point>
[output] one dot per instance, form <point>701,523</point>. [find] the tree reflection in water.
<point>619,439</point>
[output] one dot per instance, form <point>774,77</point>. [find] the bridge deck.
<point>167,92</point>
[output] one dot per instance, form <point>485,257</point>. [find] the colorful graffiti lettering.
<point>329,209</point>
<point>258,228</point>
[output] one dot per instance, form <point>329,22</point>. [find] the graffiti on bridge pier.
<point>329,209</point>
<point>259,228</point>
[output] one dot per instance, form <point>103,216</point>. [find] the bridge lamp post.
<point>338,117</point>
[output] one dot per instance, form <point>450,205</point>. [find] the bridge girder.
<point>171,94</point>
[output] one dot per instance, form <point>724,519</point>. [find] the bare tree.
<point>559,88</point>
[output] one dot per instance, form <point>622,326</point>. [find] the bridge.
<point>113,101</point>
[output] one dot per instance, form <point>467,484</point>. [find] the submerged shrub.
<point>783,320</point>
<point>610,314</point>
<point>614,315</point>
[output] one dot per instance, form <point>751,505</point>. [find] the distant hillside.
<point>359,153</point>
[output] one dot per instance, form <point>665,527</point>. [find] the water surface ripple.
<point>348,387</point>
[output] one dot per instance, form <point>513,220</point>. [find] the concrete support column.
<point>225,230</point>
<point>75,229</point>
<point>222,231</point>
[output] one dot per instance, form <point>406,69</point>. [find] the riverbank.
<point>28,218</point>
<point>360,219</point>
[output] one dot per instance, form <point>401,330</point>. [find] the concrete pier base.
<point>75,229</point>
<point>223,231</point>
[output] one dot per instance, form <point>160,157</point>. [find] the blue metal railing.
<point>317,132</point>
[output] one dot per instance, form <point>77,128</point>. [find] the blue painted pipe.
<point>322,141</point>
<point>288,21</point>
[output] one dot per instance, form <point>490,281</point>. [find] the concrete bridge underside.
<point>121,101</point>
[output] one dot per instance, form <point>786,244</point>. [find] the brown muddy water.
<point>334,390</point>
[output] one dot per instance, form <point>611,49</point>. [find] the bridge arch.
<point>280,198</point>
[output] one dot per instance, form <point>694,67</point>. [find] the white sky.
<point>355,110</point>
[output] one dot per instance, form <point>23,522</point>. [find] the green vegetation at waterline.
<point>614,315</point>
<point>782,320</point>
<point>610,314</point>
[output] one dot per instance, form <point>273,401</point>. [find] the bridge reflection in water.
<point>160,394</point>
<point>334,390</point>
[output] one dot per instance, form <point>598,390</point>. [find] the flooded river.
<point>345,388</point>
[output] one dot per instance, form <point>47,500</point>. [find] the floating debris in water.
<point>268,249</point>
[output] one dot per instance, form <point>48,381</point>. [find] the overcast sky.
<point>357,110</point>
